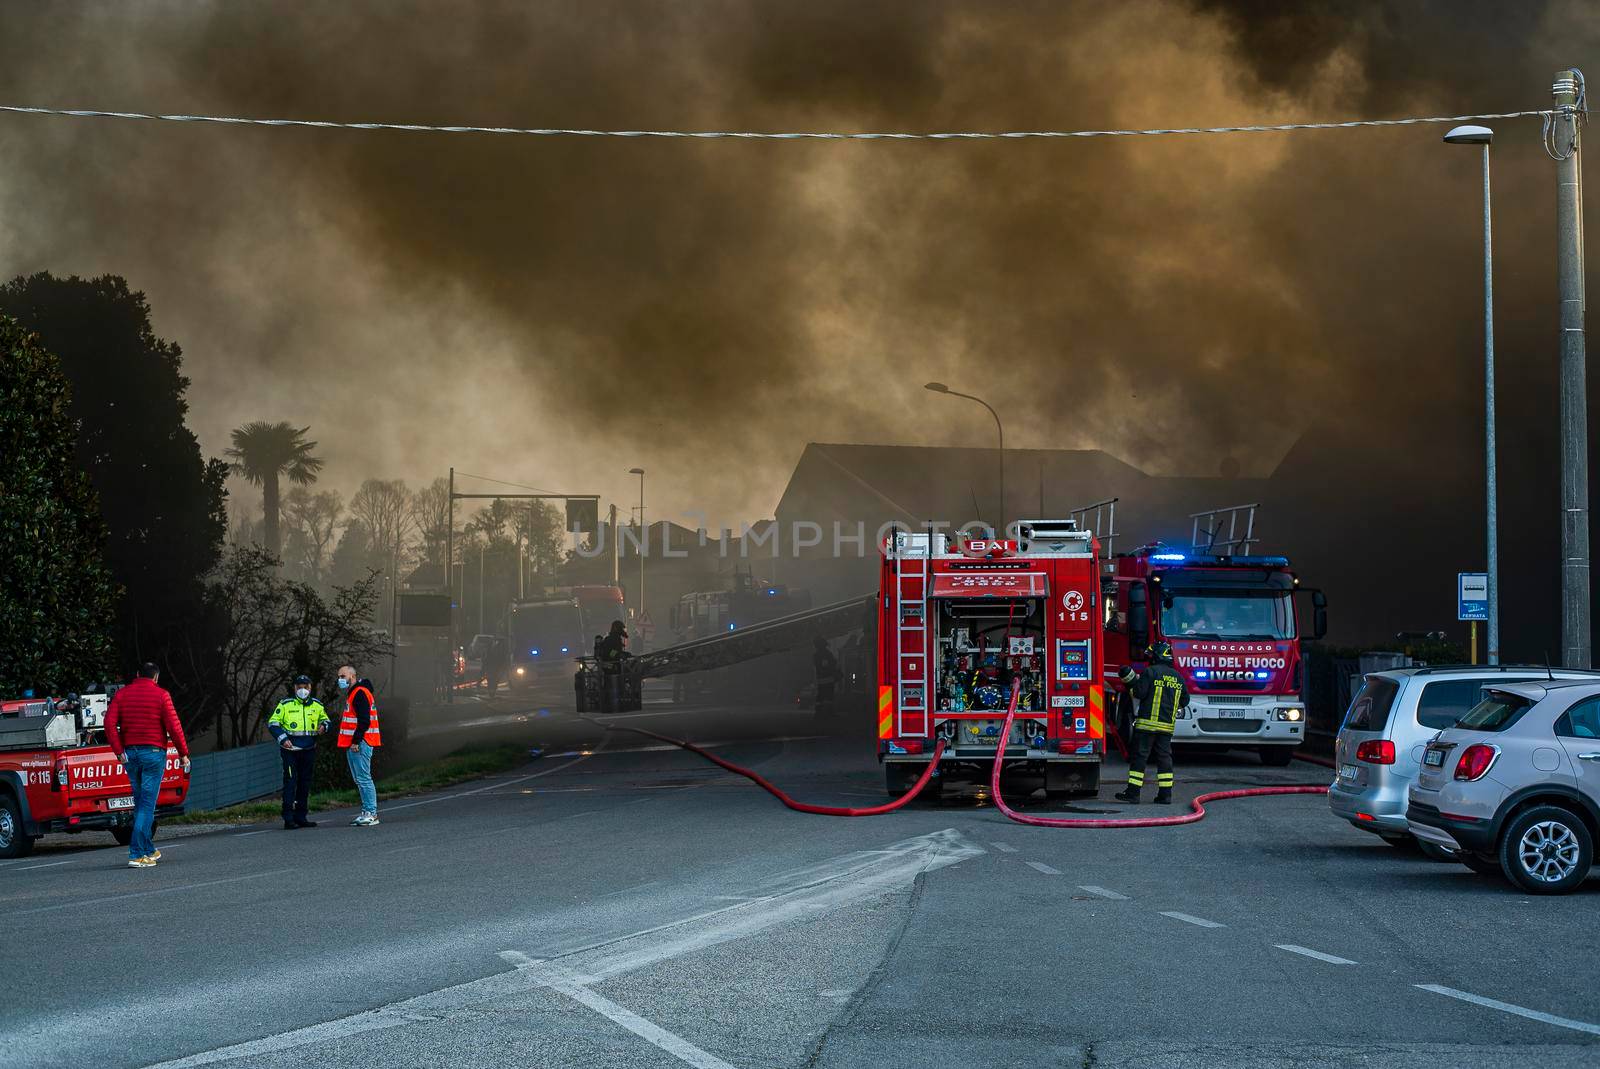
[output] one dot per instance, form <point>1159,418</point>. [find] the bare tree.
<point>430,514</point>
<point>385,507</point>
<point>314,521</point>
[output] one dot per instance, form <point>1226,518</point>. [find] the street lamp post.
<point>644,538</point>
<point>939,387</point>
<point>1482,135</point>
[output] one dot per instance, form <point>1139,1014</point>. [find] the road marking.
<point>675,1045</point>
<point>1200,921</point>
<point>1506,1007</point>
<point>142,894</point>
<point>47,865</point>
<point>492,786</point>
<point>1319,955</point>
<point>242,834</point>
<point>1103,893</point>
<point>1004,848</point>
<point>1042,867</point>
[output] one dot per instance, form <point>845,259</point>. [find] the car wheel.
<point>1546,850</point>
<point>124,834</point>
<point>1276,756</point>
<point>14,842</point>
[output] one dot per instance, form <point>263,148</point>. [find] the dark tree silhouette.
<point>56,594</point>
<point>265,452</point>
<point>163,502</point>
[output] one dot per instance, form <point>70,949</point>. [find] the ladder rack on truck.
<point>960,622</point>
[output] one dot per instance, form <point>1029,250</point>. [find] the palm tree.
<point>264,451</point>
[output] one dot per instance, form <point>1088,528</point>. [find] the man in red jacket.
<point>139,721</point>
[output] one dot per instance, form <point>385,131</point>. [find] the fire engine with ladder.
<point>1231,619</point>
<point>961,620</point>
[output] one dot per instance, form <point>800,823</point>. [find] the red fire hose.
<point>802,807</point>
<point>1198,809</point>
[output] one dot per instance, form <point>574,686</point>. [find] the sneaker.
<point>156,856</point>
<point>141,863</point>
<point>367,820</point>
<point>360,817</point>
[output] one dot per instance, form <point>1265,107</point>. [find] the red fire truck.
<point>58,775</point>
<point>1235,635</point>
<point>959,621</point>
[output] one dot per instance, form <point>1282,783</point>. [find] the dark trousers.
<point>297,766</point>
<point>1145,745</point>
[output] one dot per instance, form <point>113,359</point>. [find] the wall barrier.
<point>232,776</point>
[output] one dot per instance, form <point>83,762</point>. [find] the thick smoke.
<point>560,310</point>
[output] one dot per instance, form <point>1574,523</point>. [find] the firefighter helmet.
<point>1158,651</point>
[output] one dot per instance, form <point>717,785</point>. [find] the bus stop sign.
<point>1472,595</point>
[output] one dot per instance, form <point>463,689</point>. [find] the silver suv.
<point>1515,786</point>
<point>1380,746</point>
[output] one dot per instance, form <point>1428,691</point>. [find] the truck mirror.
<point>1138,616</point>
<point>1319,614</point>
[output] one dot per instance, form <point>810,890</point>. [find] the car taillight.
<point>1376,752</point>
<point>1475,761</point>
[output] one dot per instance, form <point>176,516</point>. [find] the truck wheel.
<point>1276,756</point>
<point>124,835</point>
<point>14,842</point>
<point>898,777</point>
<point>1546,850</point>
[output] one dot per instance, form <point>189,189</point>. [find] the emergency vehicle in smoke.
<point>1231,620</point>
<point>57,774</point>
<point>959,621</point>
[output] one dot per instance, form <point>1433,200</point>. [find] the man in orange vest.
<point>358,737</point>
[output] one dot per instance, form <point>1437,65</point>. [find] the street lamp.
<point>1482,135</point>
<point>939,387</point>
<point>644,539</point>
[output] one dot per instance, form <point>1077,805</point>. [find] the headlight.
<point>521,670</point>
<point>1291,713</point>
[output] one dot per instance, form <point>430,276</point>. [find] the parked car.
<point>1515,785</point>
<point>1380,746</point>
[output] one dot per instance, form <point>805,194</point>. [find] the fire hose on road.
<point>1197,806</point>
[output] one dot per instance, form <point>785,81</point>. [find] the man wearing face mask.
<point>296,723</point>
<point>358,737</point>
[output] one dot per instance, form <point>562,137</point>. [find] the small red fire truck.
<point>959,621</point>
<point>58,775</point>
<point>1234,632</point>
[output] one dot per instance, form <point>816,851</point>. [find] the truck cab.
<point>1235,636</point>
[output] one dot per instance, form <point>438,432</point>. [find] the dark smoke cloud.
<point>560,310</point>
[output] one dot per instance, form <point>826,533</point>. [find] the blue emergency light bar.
<point>1216,558</point>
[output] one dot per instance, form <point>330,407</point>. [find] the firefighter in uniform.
<point>296,723</point>
<point>1160,692</point>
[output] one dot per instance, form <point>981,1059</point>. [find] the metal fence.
<point>232,776</point>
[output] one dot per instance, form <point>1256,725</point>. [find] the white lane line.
<point>1004,848</point>
<point>1187,919</point>
<point>1506,1007</point>
<point>648,1031</point>
<point>1103,892</point>
<point>490,787</point>
<point>1040,866</point>
<point>1319,955</point>
<point>242,834</point>
<point>142,894</point>
<point>47,865</point>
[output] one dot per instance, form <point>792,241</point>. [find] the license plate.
<point>1348,771</point>
<point>120,803</point>
<point>1231,714</point>
<point>1434,759</point>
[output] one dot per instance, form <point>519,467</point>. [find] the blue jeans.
<point>360,757</point>
<point>146,765</point>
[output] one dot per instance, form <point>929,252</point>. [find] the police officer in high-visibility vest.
<point>296,723</point>
<point>1160,692</point>
<point>358,738</point>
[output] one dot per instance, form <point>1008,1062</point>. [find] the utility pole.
<point>616,553</point>
<point>450,557</point>
<point>1575,639</point>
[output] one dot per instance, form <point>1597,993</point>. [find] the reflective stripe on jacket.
<point>350,721</point>
<point>1160,693</point>
<point>301,721</point>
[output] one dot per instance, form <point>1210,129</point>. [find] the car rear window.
<point>1444,702</point>
<point>1370,710</point>
<point>1496,712</point>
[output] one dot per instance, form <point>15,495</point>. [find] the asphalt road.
<point>620,903</point>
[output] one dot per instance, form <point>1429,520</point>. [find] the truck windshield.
<point>1236,614</point>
